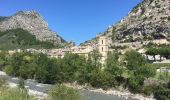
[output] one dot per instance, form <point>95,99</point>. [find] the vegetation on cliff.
<point>21,39</point>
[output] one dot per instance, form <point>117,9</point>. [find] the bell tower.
<point>103,46</point>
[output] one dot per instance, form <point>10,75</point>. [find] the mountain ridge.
<point>148,20</point>
<point>32,22</point>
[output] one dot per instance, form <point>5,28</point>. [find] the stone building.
<point>103,46</point>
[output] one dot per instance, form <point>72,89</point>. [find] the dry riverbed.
<point>124,94</point>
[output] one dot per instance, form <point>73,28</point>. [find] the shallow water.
<point>43,87</point>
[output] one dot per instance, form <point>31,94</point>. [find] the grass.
<point>14,94</point>
<point>7,93</point>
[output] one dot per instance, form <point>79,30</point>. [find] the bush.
<point>61,92</point>
<point>148,90</point>
<point>135,84</point>
<point>102,79</point>
<point>162,93</point>
<point>2,82</point>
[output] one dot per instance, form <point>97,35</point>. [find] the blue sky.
<point>76,20</point>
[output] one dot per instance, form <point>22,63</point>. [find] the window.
<point>102,49</point>
<point>102,41</point>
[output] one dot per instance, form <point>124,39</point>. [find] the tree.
<point>113,66</point>
<point>153,52</point>
<point>96,59</point>
<point>102,79</point>
<point>139,69</point>
<point>148,71</point>
<point>135,83</point>
<point>134,60</point>
<point>164,52</point>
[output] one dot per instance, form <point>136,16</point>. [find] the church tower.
<point>103,46</point>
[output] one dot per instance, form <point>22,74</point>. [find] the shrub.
<point>2,82</point>
<point>148,90</point>
<point>61,92</point>
<point>162,93</point>
<point>135,84</point>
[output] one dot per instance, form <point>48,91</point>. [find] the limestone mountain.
<point>32,22</point>
<point>150,19</point>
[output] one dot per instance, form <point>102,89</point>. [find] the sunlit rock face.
<point>32,22</point>
<point>150,19</point>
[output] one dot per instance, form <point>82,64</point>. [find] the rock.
<point>150,19</point>
<point>32,22</point>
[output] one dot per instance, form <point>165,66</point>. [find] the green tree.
<point>135,83</point>
<point>139,70</point>
<point>96,59</point>
<point>113,66</point>
<point>134,60</point>
<point>102,79</point>
<point>153,52</point>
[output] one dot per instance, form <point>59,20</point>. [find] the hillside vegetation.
<point>21,39</point>
<point>88,71</point>
<point>32,22</point>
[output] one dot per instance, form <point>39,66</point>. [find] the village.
<point>104,45</point>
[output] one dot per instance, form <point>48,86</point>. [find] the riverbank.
<point>39,90</point>
<point>124,94</point>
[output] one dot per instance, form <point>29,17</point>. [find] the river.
<point>39,90</point>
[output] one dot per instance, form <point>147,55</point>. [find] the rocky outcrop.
<point>150,19</point>
<point>32,22</point>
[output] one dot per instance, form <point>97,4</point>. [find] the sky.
<point>74,20</point>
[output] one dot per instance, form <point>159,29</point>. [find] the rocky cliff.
<point>32,22</point>
<point>150,19</point>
